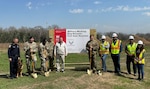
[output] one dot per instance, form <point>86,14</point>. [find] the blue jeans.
<point>140,71</point>
<point>116,61</point>
<point>103,58</point>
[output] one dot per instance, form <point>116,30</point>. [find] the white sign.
<point>77,39</point>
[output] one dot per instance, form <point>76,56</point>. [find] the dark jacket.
<point>13,51</point>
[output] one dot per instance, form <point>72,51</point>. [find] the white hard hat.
<point>114,35</point>
<point>140,42</point>
<point>131,37</point>
<point>103,37</point>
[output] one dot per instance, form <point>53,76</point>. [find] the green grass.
<point>75,78</point>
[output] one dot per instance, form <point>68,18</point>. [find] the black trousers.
<point>116,61</point>
<point>13,68</point>
<point>130,60</point>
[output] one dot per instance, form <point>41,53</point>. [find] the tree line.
<point>23,33</point>
<point>124,36</point>
<point>39,32</point>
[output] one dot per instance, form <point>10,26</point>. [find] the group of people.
<point>46,50</point>
<point>134,51</point>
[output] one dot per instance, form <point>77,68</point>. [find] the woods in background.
<point>38,32</point>
<point>24,33</point>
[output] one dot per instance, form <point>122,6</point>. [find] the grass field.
<point>75,76</point>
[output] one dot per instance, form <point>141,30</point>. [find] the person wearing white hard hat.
<point>115,49</point>
<point>130,50</point>
<point>104,51</point>
<point>140,59</point>
<point>114,35</point>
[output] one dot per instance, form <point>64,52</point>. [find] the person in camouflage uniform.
<point>30,49</point>
<point>92,47</point>
<point>43,55</point>
<point>50,50</point>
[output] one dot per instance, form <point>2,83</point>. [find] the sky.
<point>126,16</point>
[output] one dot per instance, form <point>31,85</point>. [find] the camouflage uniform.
<point>43,56</point>
<point>92,56</point>
<point>50,50</point>
<point>30,54</point>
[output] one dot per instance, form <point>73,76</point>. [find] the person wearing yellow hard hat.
<point>104,51</point>
<point>130,50</point>
<point>115,49</point>
<point>140,59</point>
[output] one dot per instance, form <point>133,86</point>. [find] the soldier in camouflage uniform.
<point>50,50</point>
<point>43,56</point>
<point>30,49</point>
<point>92,47</point>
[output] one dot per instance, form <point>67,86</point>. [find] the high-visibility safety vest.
<point>115,48</point>
<point>142,59</point>
<point>104,50</point>
<point>131,48</point>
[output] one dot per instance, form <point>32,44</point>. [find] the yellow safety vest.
<point>115,48</point>
<point>131,48</point>
<point>142,61</point>
<point>103,50</point>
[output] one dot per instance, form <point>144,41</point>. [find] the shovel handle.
<point>91,57</point>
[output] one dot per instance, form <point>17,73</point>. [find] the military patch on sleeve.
<point>9,46</point>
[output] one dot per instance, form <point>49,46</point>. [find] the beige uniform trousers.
<point>60,62</point>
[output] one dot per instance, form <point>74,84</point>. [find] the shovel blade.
<point>99,73</point>
<point>46,74</point>
<point>89,72</point>
<point>34,75</point>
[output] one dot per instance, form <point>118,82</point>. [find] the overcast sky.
<point>127,16</point>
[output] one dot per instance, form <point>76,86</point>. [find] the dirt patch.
<point>108,39</point>
<point>106,81</point>
<point>137,38</point>
<point>87,82</point>
<point>34,86</point>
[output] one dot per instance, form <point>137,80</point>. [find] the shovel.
<point>34,75</point>
<point>90,71</point>
<point>99,72</point>
<point>46,74</point>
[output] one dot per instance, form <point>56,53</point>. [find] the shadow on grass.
<point>110,71</point>
<point>80,68</point>
<point>129,76</point>
<point>6,76</point>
